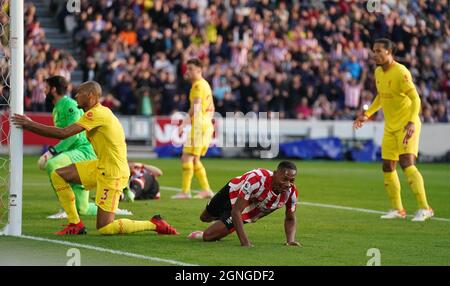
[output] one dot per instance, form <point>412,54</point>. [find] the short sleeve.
<point>196,91</point>
<point>90,120</point>
<point>291,203</point>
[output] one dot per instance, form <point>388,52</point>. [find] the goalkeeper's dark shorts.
<point>219,207</point>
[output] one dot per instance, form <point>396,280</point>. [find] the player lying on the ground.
<point>142,184</point>
<point>249,197</point>
<point>109,174</point>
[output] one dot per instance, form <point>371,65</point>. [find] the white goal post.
<point>16,81</point>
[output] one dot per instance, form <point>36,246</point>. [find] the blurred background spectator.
<point>304,59</point>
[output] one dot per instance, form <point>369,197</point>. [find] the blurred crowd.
<point>41,61</point>
<point>303,59</point>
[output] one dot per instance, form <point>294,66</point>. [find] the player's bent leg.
<point>59,161</point>
<point>416,184</point>
<point>66,196</point>
<point>104,218</point>
<point>81,195</point>
<point>86,154</point>
<point>69,174</point>
<point>106,225</point>
<point>82,200</point>
<point>60,179</point>
<point>109,190</point>
<point>207,217</point>
<point>215,231</point>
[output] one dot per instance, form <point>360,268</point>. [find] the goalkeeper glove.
<point>45,157</point>
<point>128,195</point>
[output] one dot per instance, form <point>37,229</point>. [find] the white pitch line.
<point>358,209</point>
<point>324,206</point>
<point>112,251</point>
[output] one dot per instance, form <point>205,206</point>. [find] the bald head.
<point>88,94</point>
<point>91,87</point>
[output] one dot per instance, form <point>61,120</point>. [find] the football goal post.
<point>11,101</point>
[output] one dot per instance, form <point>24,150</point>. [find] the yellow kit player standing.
<point>201,113</point>
<point>398,97</point>
<point>108,174</point>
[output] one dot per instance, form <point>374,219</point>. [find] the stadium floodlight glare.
<point>15,142</point>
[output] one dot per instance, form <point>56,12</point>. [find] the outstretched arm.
<point>154,170</point>
<point>290,225</point>
<point>48,131</point>
<point>236,213</point>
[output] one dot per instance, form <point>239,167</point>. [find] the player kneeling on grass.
<point>70,150</point>
<point>142,185</point>
<point>109,174</point>
<point>248,198</point>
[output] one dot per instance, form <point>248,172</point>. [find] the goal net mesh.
<point>4,107</point>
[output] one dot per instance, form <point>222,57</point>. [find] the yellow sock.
<point>200,173</point>
<point>392,186</point>
<point>416,184</point>
<point>66,197</point>
<point>120,226</point>
<point>186,177</point>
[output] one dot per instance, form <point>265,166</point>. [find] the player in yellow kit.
<point>201,113</point>
<point>398,97</point>
<point>108,174</point>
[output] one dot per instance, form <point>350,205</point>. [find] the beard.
<point>49,101</point>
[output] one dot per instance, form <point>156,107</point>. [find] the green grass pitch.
<point>330,236</point>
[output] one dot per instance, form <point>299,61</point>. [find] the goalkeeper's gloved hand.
<point>45,157</point>
<point>128,195</point>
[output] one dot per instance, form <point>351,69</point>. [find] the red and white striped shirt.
<point>255,187</point>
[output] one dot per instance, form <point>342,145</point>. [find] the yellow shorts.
<point>392,146</point>
<point>200,146</point>
<point>108,189</point>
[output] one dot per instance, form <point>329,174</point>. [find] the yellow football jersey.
<point>201,89</point>
<point>106,135</point>
<point>397,96</point>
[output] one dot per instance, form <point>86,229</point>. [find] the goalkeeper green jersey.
<point>65,113</point>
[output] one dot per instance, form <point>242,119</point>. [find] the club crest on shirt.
<point>246,187</point>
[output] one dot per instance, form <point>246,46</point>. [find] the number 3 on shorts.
<point>105,194</point>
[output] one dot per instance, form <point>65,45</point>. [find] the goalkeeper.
<point>72,149</point>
